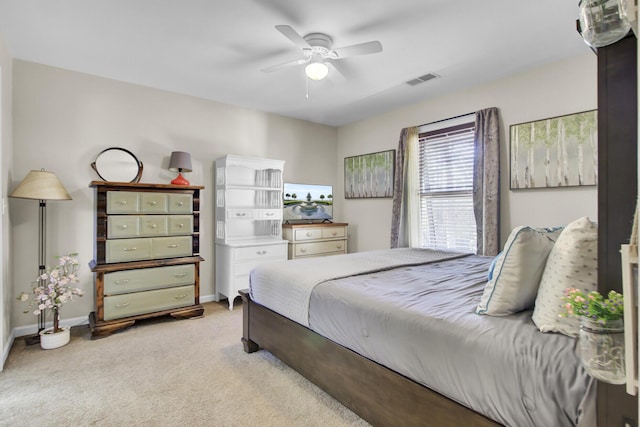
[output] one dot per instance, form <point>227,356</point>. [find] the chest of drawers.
<point>318,239</point>
<point>146,258</point>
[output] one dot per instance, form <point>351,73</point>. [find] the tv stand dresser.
<point>146,253</point>
<point>315,239</point>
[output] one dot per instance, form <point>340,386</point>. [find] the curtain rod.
<point>444,120</point>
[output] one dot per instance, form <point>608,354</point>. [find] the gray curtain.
<point>398,214</point>
<point>486,181</point>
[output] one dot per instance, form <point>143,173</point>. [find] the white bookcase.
<point>248,219</point>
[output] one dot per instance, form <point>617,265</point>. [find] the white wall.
<point>560,88</point>
<point>5,176</point>
<point>63,119</point>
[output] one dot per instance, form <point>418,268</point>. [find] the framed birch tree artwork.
<point>369,175</point>
<point>556,152</point>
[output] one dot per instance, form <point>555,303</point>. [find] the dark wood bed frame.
<point>377,394</point>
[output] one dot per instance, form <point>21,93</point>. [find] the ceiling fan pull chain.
<point>306,81</point>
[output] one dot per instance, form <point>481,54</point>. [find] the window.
<point>447,219</point>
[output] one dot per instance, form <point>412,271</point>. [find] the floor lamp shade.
<point>40,185</point>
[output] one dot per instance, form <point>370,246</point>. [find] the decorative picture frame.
<point>369,175</point>
<point>559,151</point>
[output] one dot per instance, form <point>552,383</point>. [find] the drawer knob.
<point>180,225</point>
<point>241,214</point>
<point>123,202</point>
<point>303,250</point>
<point>261,252</point>
<point>153,203</point>
<point>122,282</point>
<point>181,296</point>
<point>309,234</point>
<point>335,233</point>
<point>129,249</point>
<point>123,305</point>
<point>173,246</point>
<point>180,203</point>
<point>269,214</point>
<point>339,246</point>
<point>124,227</point>
<point>154,225</point>
<point>179,275</point>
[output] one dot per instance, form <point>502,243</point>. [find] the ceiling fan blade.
<point>358,49</point>
<point>335,73</point>
<point>292,35</point>
<point>285,65</point>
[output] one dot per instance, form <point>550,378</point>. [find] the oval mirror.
<point>117,164</point>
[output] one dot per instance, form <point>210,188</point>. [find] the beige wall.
<point>560,88</point>
<point>62,119</point>
<point>5,176</point>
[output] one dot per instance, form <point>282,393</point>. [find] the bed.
<point>394,336</point>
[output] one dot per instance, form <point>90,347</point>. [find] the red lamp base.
<point>180,180</point>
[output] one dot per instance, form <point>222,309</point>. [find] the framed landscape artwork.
<point>556,152</point>
<point>369,175</point>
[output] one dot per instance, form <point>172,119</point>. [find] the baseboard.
<point>22,331</point>
<point>7,349</point>
<point>209,298</point>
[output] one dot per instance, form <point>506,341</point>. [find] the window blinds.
<point>446,189</point>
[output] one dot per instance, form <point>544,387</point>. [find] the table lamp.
<point>180,162</point>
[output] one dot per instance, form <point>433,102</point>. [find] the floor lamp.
<point>40,185</point>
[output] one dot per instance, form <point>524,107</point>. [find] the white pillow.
<point>515,274</point>
<point>572,263</point>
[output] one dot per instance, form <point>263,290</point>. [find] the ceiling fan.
<point>318,53</point>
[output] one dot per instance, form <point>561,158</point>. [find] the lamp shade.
<point>180,162</point>
<point>40,185</point>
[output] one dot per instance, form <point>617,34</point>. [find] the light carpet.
<point>162,372</point>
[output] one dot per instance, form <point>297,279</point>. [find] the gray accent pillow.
<point>516,272</point>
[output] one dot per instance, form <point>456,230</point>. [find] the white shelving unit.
<point>248,219</point>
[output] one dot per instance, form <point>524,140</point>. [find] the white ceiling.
<point>215,49</point>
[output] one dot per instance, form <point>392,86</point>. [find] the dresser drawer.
<point>319,248</point>
<point>123,226</point>
<point>329,233</point>
<point>153,225</point>
<point>307,234</point>
<point>122,202</point>
<point>180,224</point>
<point>125,305</point>
<point>154,202</point>
<point>119,282</point>
<point>240,213</point>
<point>171,247</point>
<point>261,252</point>
<point>125,250</point>
<point>180,203</point>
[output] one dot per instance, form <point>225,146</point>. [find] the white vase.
<point>49,340</point>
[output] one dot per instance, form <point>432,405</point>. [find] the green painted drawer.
<point>143,279</point>
<point>122,202</point>
<point>180,224</point>
<point>153,225</point>
<point>123,226</point>
<point>180,203</point>
<point>124,250</point>
<point>171,247</point>
<point>125,305</point>
<point>154,202</point>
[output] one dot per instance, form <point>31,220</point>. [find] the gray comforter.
<point>419,321</point>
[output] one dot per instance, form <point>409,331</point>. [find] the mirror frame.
<point>136,179</point>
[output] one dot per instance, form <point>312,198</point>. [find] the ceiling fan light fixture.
<point>316,70</point>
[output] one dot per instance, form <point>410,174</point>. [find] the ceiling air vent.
<point>422,79</point>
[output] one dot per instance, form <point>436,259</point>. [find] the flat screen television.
<point>307,202</point>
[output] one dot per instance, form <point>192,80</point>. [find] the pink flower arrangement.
<point>53,288</point>
<point>592,305</point>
